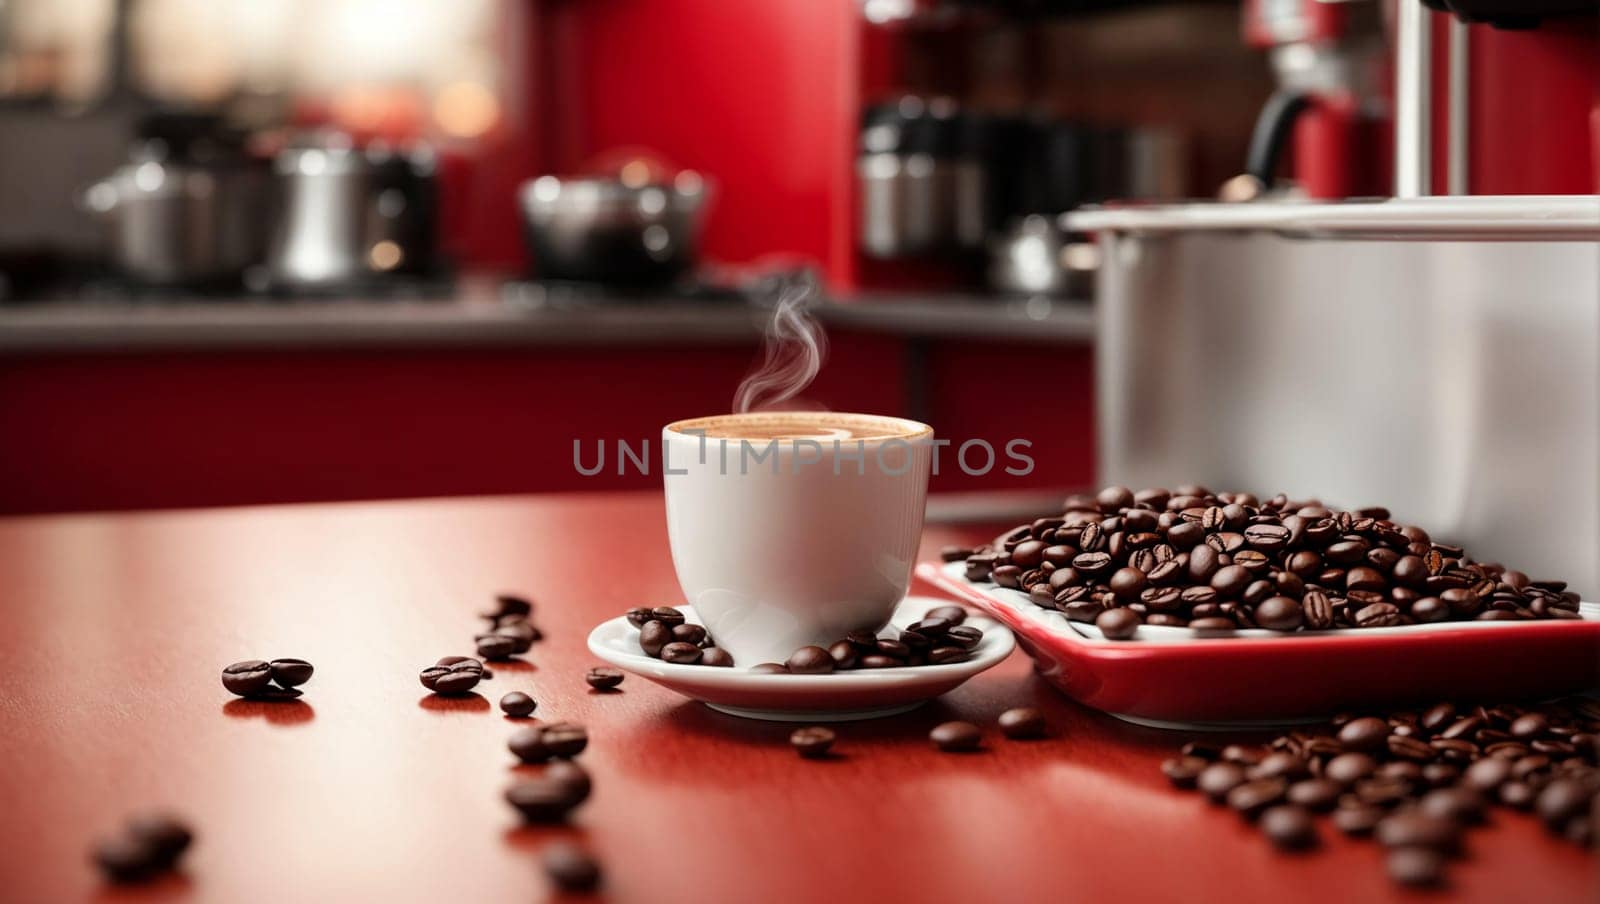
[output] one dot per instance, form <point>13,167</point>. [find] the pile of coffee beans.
<point>147,846</point>
<point>511,629</point>
<point>938,638</point>
<point>666,635</point>
<point>1414,781</point>
<point>1218,562</point>
<point>257,679</point>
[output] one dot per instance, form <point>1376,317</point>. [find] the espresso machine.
<point>1323,127</point>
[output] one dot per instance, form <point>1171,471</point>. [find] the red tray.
<point>1180,681</point>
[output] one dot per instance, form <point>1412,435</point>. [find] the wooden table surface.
<point>115,629</point>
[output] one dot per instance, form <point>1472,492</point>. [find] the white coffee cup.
<point>794,528</point>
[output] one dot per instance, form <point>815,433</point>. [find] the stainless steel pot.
<point>349,215</point>
<point>183,222</point>
<point>1437,356</point>
<point>602,230</point>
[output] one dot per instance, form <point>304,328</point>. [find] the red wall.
<point>761,96</point>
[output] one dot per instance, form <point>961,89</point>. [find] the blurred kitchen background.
<point>259,251</point>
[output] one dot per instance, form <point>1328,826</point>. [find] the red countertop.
<point>116,626</point>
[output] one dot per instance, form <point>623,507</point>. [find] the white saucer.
<point>836,697</point>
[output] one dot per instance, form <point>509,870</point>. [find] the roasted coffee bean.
<point>1255,795</point>
<point>1211,626</point>
<point>931,627</point>
<point>1028,554</point>
<point>716,657</point>
<point>1460,805</point>
<point>812,743</point>
<point>603,678</point>
<point>966,636</point>
<point>527,744</point>
<point>544,799</point>
<point>1230,581</point>
<point>954,553</point>
<point>778,668</point>
<point>810,661</point>
<point>291,672</point>
<point>1218,779</point>
<point>1182,771</point>
<point>844,654</point>
<point>1529,726</point>
<point>1266,537</point>
<point>667,615</point>
<point>1279,613</point>
<point>686,633</point>
<point>1127,582</point>
<point>1518,795</point>
<point>1318,794</point>
<point>1007,576</point>
<point>653,636</point>
<point>680,653</point>
<point>1117,624</point>
<point>456,681</point>
<point>432,674</point>
<point>919,643</point>
<point>1409,748</point>
<point>1366,735</point>
<point>955,615</point>
<point>570,867</point>
<point>1440,775</point>
<point>510,604</point>
<point>1289,827</point>
<point>1377,615</point>
<point>126,860</point>
<point>247,678</point>
<point>517,704</point>
<point>1281,765</point>
<point>894,649</point>
<point>164,836</point>
<point>521,635</point>
<point>956,737</point>
<point>945,655</point>
<point>1021,724</point>
<point>1357,819</point>
<point>1316,610</point>
<point>1562,800</point>
<point>1415,866</point>
<point>1415,829</point>
<point>565,739</point>
<point>495,647</point>
<point>1092,563</point>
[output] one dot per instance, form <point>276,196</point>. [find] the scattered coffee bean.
<point>148,845</point>
<point>1021,724</point>
<point>527,744</point>
<point>603,678</point>
<point>517,704</point>
<point>1183,770</point>
<point>495,647</point>
<point>716,656</point>
<point>291,672</point>
<point>1417,867</point>
<point>956,737</point>
<point>565,739</point>
<point>507,604</point>
<point>247,678</point>
<point>1255,795</point>
<point>571,774</point>
<point>812,743</point>
<point>545,799</point>
<point>456,681</point>
<point>570,867</point>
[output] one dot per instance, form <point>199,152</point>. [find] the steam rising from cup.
<point>793,347</point>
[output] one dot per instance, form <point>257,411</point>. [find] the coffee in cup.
<point>794,528</point>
